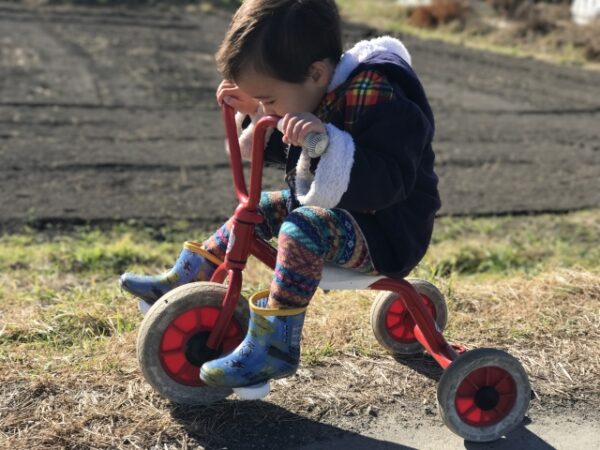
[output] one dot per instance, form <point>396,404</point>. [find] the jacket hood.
<point>363,51</point>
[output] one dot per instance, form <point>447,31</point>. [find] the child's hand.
<point>295,127</point>
<point>229,93</point>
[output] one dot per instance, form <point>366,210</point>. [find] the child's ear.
<point>320,72</point>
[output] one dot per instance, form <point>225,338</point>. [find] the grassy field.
<point>68,370</point>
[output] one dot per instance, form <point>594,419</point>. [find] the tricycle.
<point>482,394</point>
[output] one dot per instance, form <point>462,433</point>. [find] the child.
<point>367,204</point>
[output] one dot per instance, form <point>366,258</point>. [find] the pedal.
<point>253,392</point>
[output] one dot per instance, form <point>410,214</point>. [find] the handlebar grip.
<point>315,144</point>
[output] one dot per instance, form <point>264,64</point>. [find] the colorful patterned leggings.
<point>307,237</point>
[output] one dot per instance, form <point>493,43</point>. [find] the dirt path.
<point>109,114</point>
<point>565,432</point>
<point>406,425</point>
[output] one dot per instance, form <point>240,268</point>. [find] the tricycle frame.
<point>245,242</point>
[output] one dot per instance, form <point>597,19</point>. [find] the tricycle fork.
<point>242,240</point>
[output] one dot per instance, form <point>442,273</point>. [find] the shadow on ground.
<point>520,438</point>
<point>422,364</point>
<point>238,425</point>
<point>235,425</point>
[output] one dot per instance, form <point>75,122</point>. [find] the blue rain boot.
<point>194,264</point>
<point>270,350</point>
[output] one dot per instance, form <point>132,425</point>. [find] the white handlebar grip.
<point>315,144</point>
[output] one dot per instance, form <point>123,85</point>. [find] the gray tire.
<point>391,322</point>
<point>483,395</point>
<point>170,344</point>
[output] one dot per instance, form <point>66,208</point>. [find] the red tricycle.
<point>482,394</point>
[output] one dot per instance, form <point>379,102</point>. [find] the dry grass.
<point>551,322</point>
<point>69,375</point>
<point>439,12</point>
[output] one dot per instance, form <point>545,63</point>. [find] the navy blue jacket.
<point>392,189</point>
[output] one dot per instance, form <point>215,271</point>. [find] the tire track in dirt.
<point>108,114</point>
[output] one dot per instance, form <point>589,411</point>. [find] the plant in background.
<point>439,12</point>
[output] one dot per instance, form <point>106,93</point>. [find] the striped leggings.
<point>307,237</point>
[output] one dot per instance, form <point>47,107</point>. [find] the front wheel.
<point>171,345</point>
<point>483,394</point>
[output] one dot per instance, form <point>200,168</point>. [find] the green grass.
<point>67,283</point>
<point>460,246</point>
<point>513,245</point>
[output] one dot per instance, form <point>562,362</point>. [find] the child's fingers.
<point>220,90</point>
<point>307,128</point>
<point>297,131</point>
<point>227,85</point>
<point>284,123</point>
<point>226,92</point>
<point>235,103</point>
<point>290,122</point>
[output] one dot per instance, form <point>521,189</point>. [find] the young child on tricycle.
<point>364,202</point>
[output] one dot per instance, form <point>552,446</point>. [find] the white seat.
<point>335,277</point>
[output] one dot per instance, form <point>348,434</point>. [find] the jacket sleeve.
<point>374,167</point>
<point>276,151</point>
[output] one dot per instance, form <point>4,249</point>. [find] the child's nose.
<point>269,110</point>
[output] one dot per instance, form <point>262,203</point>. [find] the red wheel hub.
<point>400,323</point>
<point>485,396</point>
<point>183,343</point>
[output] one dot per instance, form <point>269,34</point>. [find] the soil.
<point>108,114</point>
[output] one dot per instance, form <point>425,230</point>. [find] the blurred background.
<point>107,108</point>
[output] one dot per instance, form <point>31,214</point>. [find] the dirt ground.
<point>108,114</point>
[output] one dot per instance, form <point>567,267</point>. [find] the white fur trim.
<point>332,177</point>
<point>246,136</point>
<point>361,51</point>
<point>246,142</point>
<point>239,120</point>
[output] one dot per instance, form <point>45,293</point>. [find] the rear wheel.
<point>483,394</point>
<point>171,345</point>
<point>393,325</point>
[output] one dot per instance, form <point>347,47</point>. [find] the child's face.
<point>281,97</point>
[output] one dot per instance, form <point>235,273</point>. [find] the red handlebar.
<point>235,156</point>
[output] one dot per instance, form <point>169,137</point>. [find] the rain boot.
<point>194,264</point>
<point>271,348</point>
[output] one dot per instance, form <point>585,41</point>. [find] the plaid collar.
<point>362,90</point>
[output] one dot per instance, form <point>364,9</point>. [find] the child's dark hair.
<point>280,38</point>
